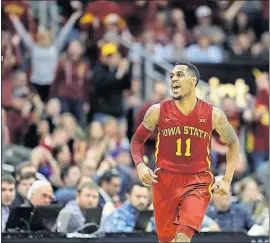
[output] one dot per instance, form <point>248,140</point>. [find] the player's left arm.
<point>226,131</point>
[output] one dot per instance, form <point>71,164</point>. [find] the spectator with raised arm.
<point>44,53</point>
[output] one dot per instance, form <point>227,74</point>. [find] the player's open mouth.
<point>176,88</point>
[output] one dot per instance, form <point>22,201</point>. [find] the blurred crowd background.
<point>74,91</point>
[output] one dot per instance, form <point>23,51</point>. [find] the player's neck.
<point>187,104</point>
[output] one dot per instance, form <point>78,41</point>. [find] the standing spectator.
<point>11,58</point>
<point>19,115</point>
<point>87,197</point>
<point>179,24</point>
<point>261,126</point>
<point>70,175</point>
<point>26,180</point>
<point>123,219</point>
<point>71,82</point>
<point>110,78</point>
<point>203,51</point>
<point>205,27</point>
<point>242,24</point>
<point>8,195</point>
<point>44,53</point>
<point>251,197</point>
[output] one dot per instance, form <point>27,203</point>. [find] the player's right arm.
<point>142,133</point>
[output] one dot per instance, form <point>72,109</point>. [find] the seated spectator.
<point>262,174</point>
<point>23,169</point>
<point>231,217</point>
<point>123,219</point>
<point>203,51</point>
<point>110,186</point>
<point>112,74</point>
<point>70,124</point>
<point>251,197</point>
<point>206,28</point>
<point>176,50</point>
<point>87,197</point>
<point>209,224</point>
<point>62,155</point>
<point>8,195</point>
<point>26,180</point>
<point>70,175</point>
<point>40,193</point>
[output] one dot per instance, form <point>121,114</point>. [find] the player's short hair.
<point>8,179</point>
<point>191,68</point>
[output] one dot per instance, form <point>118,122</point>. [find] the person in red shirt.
<point>236,119</point>
<point>260,153</point>
<point>182,182</point>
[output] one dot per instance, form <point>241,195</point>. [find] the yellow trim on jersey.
<point>157,146</point>
<point>207,157</point>
<point>210,185</point>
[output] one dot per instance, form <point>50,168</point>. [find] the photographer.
<point>110,77</point>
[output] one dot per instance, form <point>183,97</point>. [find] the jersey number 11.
<point>179,147</point>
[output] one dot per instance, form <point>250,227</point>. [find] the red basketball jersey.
<point>183,142</point>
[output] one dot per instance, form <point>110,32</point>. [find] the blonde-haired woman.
<point>44,53</point>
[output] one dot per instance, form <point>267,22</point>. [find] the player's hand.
<point>146,175</point>
<point>221,187</point>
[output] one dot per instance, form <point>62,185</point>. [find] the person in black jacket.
<point>110,77</point>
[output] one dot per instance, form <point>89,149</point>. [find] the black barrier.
<point>129,238</point>
<point>228,72</point>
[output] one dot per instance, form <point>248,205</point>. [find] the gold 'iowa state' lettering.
<point>187,130</point>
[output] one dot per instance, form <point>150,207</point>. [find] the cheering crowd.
<point>71,101</point>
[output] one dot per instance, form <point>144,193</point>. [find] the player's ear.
<point>194,80</point>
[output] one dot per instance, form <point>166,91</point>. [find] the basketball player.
<point>182,181</point>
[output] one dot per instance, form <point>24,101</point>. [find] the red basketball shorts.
<point>180,200</point>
